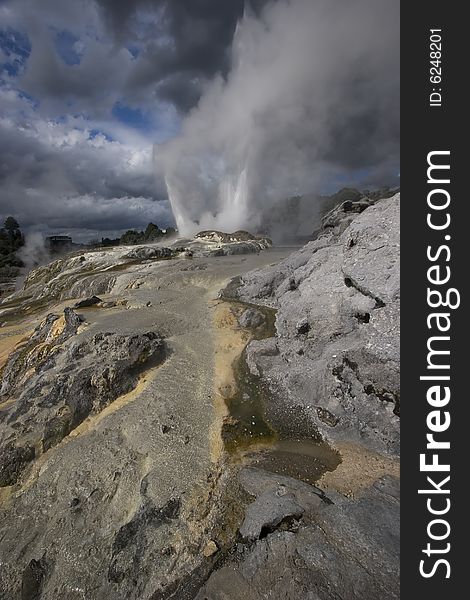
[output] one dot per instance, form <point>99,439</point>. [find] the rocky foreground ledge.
<point>115,482</point>
<point>52,384</point>
<point>333,368</point>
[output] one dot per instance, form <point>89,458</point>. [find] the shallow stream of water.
<point>247,433</point>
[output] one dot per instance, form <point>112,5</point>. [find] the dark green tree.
<point>152,232</point>
<point>11,238</point>
<point>11,225</point>
<point>131,237</point>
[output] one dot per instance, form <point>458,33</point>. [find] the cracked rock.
<point>344,311</point>
<point>267,512</point>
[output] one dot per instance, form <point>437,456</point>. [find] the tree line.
<point>131,237</point>
<point>11,240</point>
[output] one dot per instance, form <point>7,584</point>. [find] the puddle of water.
<point>18,312</point>
<point>246,425</point>
<point>301,459</point>
<point>247,433</point>
<point>268,328</point>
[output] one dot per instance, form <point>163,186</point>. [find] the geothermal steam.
<point>311,99</point>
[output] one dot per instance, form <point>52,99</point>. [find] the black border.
<point>424,129</point>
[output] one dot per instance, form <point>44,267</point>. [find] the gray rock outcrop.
<point>57,379</point>
<point>150,253</point>
<point>219,243</point>
<point>342,550</point>
<point>337,302</point>
<point>87,302</point>
<point>227,238</point>
<point>333,368</point>
<point>251,318</point>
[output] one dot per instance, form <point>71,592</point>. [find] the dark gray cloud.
<point>64,177</point>
<point>139,50</point>
<point>68,158</point>
<point>296,94</point>
<point>192,45</point>
<point>311,101</point>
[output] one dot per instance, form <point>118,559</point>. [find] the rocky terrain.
<point>104,271</point>
<point>161,438</point>
<point>52,384</point>
<point>336,355</point>
<point>333,371</point>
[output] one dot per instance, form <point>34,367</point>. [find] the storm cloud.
<point>60,176</point>
<point>91,53</point>
<point>86,89</point>
<point>89,87</point>
<point>311,100</point>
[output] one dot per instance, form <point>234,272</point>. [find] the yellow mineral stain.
<point>359,469</point>
<point>9,343</point>
<point>89,425</point>
<point>230,341</point>
<point>94,420</point>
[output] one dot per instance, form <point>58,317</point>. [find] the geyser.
<point>226,208</point>
<point>310,102</point>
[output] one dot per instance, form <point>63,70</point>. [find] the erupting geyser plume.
<point>311,100</point>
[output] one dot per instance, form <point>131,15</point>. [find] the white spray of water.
<point>312,95</point>
<point>33,254</point>
<point>34,251</point>
<point>228,211</point>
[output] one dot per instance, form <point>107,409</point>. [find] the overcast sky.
<point>87,87</point>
